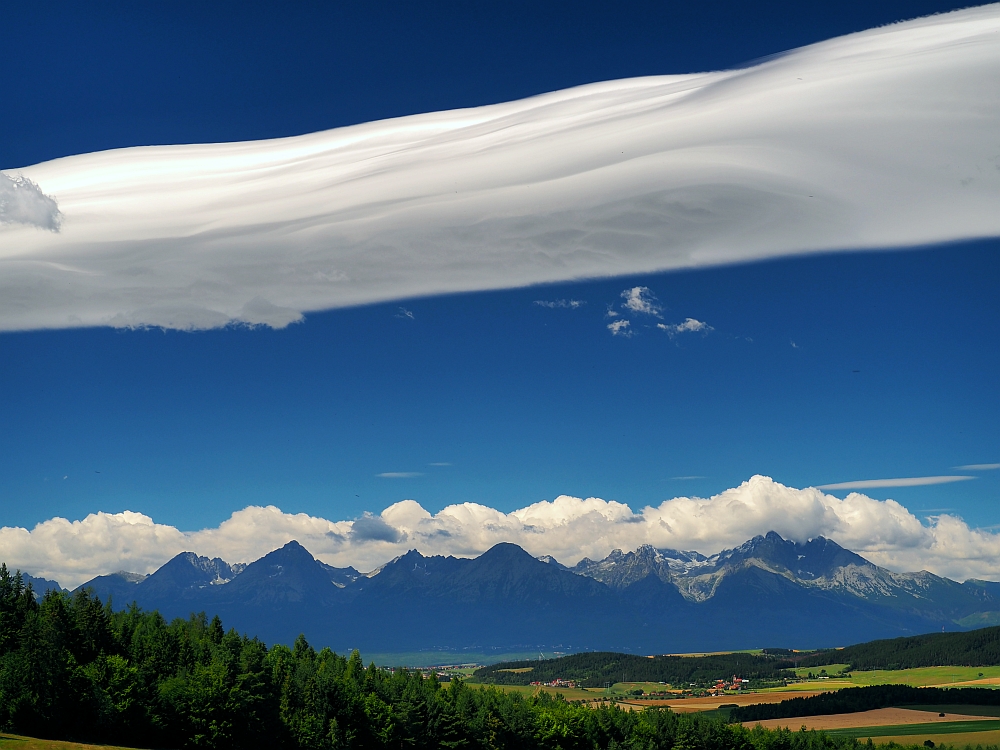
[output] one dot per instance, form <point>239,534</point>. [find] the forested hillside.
<point>853,700</point>
<point>595,669</point>
<point>71,668</point>
<point>977,648</point>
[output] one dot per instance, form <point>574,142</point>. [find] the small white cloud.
<point>977,467</point>
<point>621,328</point>
<point>690,325</point>
<point>404,313</point>
<point>868,484</point>
<point>439,463</point>
<point>639,299</point>
<point>794,345</point>
<point>400,474</point>
<point>23,202</point>
<point>693,476</point>
<point>569,304</point>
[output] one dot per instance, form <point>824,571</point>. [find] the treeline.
<point>595,669</point>
<point>853,700</point>
<point>71,668</point>
<point>976,648</point>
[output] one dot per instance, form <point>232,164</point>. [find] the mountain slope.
<point>819,564</point>
<point>768,591</point>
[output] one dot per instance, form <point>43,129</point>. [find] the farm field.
<point>570,694</point>
<point>954,739</point>
<point>898,719</point>
<point>679,705</point>
<point>691,705</point>
<point>917,677</point>
<point>17,742</point>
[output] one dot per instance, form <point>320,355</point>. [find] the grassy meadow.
<point>917,677</point>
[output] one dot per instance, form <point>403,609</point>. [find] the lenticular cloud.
<point>23,202</point>
<point>885,138</point>
<point>568,528</point>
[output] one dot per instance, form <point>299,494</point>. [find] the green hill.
<point>976,648</point>
<point>595,669</point>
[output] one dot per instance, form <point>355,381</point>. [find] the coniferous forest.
<point>72,668</point>
<point>975,648</point>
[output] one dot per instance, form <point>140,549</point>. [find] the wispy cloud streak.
<point>869,484</point>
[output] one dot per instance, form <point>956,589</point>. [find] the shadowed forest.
<point>72,668</point>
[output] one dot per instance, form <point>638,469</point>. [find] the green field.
<point>618,690</point>
<point>917,677</point>
<point>830,669</point>
<point>925,676</point>
<point>570,694</point>
<point>646,687</point>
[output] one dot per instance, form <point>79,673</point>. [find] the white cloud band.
<point>568,528</point>
<point>871,484</point>
<point>878,139</point>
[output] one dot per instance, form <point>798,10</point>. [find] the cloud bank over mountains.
<point>569,528</point>
<point>886,138</point>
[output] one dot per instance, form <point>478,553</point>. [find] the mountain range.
<point>766,592</point>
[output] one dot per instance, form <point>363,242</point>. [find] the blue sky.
<point>114,74</point>
<point>811,370</point>
<point>525,402</point>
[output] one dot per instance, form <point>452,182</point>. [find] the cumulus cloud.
<point>869,484</point>
<point>639,299</point>
<point>614,178</point>
<point>373,528</point>
<point>621,328</point>
<point>569,304</point>
<point>690,325</point>
<point>567,528</point>
<point>23,202</point>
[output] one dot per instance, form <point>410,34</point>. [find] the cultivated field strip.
<point>898,718</point>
